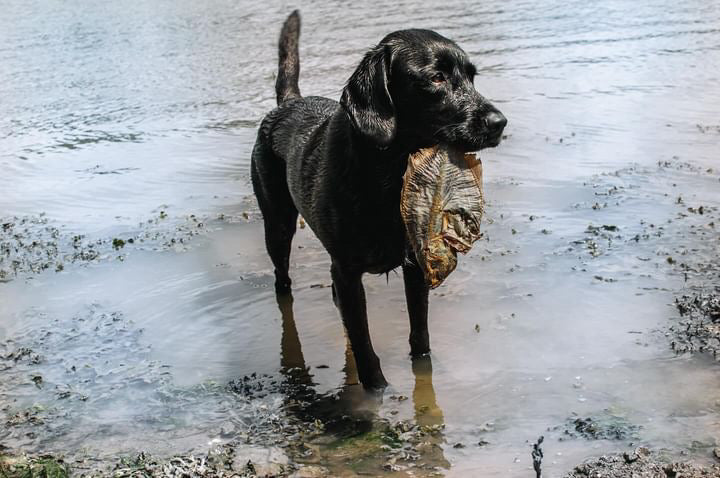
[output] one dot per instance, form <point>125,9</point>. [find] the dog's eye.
<point>438,78</point>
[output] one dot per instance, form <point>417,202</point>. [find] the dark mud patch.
<point>598,239</point>
<point>708,128</point>
<point>606,426</point>
<point>641,463</point>
<point>33,244</point>
<point>698,328</point>
<point>697,260</point>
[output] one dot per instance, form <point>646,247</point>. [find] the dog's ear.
<point>366,97</point>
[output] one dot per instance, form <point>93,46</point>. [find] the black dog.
<point>341,166</point>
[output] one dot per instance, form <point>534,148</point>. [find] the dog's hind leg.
<point>350,298</point>
<point>279,212</point>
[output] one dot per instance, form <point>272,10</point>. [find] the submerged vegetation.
<point>44,466</point>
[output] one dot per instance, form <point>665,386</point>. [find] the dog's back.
<point>291,151</point>
<point>290,148</point>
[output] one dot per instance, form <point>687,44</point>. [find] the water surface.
<point>136,120</point>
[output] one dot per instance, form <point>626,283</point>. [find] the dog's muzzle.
<point>494,123</point>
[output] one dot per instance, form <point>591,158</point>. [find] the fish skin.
<point>442,206</point>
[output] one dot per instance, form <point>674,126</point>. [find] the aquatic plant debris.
<point>605,426</point>
<point>33,244</point>
<point>442,206</point>
<point>42,466</point>
<point>699,327</point>
<point>640,463</point>
<point>230,460</point>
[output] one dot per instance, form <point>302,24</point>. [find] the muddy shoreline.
<point>306,432</point>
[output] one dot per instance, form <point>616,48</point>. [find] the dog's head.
<point>419,85</point>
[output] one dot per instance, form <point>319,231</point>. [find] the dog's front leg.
<point>416,295</point>
<point>350,299</point>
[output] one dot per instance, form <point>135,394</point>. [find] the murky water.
<point>135,121</point>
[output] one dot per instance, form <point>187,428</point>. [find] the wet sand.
<point>136,305</point>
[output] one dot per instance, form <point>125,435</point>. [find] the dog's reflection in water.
<point>353,411</point>
<point>427,412</point>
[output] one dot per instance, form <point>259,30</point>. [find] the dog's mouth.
<point>470,143</point>
<point>475,145</point>
<point>476,133</point>
<point>492,142</point>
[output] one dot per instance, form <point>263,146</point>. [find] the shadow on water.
<point>350,417</point>
<point>349,412</point>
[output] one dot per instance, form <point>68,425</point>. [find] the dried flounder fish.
<point>442,206</point>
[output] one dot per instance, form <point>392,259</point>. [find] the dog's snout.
<point>495,121</point>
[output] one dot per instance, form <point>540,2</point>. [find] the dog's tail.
<point>286,86</point>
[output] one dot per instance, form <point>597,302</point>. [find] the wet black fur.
<point>340,165</point>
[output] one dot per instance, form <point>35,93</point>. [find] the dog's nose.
<point>495,121</point>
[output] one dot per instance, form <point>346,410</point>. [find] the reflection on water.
<point>292,362</point>
<point>351,412</point>
<point>136,121</point>
<point>427,411</point>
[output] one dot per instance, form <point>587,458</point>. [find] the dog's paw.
<point>419,345</point>
<point>375,382</point>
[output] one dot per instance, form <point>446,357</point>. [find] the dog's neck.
<point>400,148</point>
<point>387,163</point>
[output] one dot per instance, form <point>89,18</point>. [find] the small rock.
<point>311,471</point>
<point>267,470</point>
<point>258,458</point>
<point>227,428</point>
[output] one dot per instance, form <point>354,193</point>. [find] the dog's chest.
<point>385,259</point>
<point>385,245</point>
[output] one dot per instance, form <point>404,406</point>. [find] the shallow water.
<point>129,120</point>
